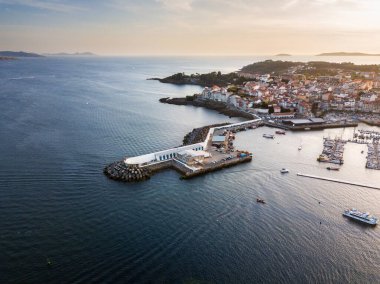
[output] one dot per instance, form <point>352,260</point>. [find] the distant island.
<point>346,54</point>
<point>71,54</point>
<point>19,54</point>
<point>283,54</point>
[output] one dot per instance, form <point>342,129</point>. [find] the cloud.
<point>44,5</point>
<point>177,5</point>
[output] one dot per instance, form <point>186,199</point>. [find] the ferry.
<point>360,216</point>
<point>268,136</point>
<point>280,132</point>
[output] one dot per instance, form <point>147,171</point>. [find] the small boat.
<point>268,136</point>
<point>299,148</point>
<point>284,171</point>
<point>362,152</point>
<point>259,200</point>
<point>332,169</point>
<point>360,216</point>
<point>280,132</point>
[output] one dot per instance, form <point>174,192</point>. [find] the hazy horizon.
<point>190,27</point>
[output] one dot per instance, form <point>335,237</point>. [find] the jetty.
<point>373,156</point>
<point>214,153</point>
<point>338,181</point>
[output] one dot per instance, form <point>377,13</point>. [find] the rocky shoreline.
<point>218,106</point>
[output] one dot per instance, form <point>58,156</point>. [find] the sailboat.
<point>300,146</point>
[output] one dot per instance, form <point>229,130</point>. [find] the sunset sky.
<point>190,27</point>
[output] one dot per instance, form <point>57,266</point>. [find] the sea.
<point>62,119</point>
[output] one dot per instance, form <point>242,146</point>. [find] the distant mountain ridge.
<point>71,54</point>
<point>347,54</point>
<point>19,54</point>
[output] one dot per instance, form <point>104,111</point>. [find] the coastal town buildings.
<point>293,95</point>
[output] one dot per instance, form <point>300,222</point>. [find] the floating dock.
<point>338,181</point>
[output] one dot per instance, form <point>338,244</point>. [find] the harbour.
<point>60,206</point>
<point>214,153</point>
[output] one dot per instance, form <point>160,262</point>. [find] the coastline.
<point>233,112</point>
<point>212,105</point>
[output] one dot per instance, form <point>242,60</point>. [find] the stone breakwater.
<point>120,171</point>
<point>198,135</point>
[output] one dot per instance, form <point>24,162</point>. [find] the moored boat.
<point>268,136</point>
<point>360,216</point>
<point>332,169</point>
<point>283,132</point>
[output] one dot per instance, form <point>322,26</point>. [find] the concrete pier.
<point>189,160</point>
<point>338,181</point>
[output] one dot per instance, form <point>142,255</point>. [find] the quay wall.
<point>312,127</point>
<point>224,165</point>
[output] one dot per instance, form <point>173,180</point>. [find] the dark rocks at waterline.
<point>120,171</point>
<point>198,135</point>
<point>220,107</point>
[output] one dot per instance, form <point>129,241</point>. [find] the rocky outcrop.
<point>213,105</point>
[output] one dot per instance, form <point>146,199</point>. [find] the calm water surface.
<point>63,119</point>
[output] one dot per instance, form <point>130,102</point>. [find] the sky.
<point>190,27</point>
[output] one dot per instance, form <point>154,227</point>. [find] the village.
<point>346,96</point>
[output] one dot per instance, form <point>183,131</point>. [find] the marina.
<point>373,156</point>
<point>332,151</point>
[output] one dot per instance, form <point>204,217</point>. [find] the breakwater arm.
<point>338,181</point>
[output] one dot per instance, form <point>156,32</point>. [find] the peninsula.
<point>311,70</point>
<point>19,54</point>
<point>209,79</point>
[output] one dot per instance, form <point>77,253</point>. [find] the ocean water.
<point>63,119</point>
